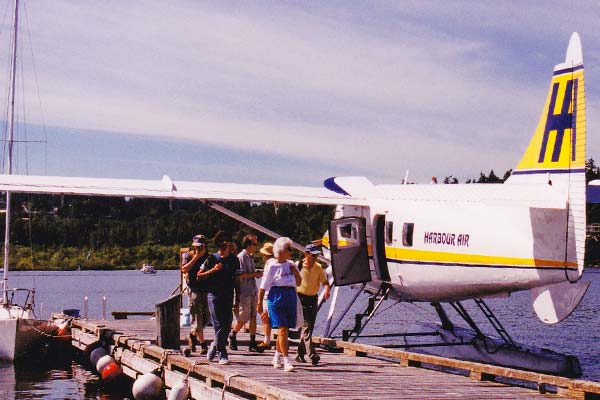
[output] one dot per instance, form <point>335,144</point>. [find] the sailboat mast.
<point>11,120</point>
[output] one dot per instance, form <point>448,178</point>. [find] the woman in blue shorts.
<point>280,279</point>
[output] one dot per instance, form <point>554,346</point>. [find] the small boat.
<point>148,269</point>
<point>21,332</point>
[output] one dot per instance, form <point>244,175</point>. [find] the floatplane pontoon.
<point>440,244</point>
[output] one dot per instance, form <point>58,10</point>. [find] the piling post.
<point>167,322</point>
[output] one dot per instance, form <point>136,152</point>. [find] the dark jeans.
<point>309,309</point>
<point>220,312</point>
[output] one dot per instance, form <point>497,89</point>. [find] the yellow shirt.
<point>312,278</point>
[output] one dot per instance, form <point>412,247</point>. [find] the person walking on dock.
<point>218,270</point>
<point>266,251</point>
<point>245,311</point>
<point>313,277</point>
<point>281,278</point>
<point>191,262</point>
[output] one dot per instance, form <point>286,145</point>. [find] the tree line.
<point>69,232</point>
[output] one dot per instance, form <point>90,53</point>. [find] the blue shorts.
<point>282,307</point>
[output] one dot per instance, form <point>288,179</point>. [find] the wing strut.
<point>328,332</point>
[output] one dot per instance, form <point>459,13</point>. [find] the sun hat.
<point>267,249</point>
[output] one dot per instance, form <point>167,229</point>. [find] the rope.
<point>114,349</point>
<point>163,359</point>
<point>141,350</point>
<point>113,353</point>
<point>190,369</point>
<point>227,382</point>
<point>50,335</point>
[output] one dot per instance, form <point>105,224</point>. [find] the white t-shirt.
<point>278,274</point>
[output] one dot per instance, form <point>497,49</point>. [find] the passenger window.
<point>407,234</point>
<point>348,235</point>
<point>389,232</point>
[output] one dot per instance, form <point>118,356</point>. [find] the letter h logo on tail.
<point>560,122</point>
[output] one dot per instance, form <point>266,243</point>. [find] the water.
<point>133,291</point>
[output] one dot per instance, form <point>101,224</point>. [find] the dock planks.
<point>338,375</point>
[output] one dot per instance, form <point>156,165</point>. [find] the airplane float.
<point>438,243</point>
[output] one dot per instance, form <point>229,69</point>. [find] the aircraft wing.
<point>168,189</point>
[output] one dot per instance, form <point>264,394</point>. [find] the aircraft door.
<point>381,231</point>
<point>349,252</point>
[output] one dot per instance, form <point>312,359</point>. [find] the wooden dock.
<point>359,372</point>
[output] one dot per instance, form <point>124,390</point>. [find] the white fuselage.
<point>462,249</point>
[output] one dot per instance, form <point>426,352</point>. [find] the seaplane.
<point>438,244</point>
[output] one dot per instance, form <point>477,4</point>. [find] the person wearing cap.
<point>280,278</point>
<point>313,277</point>
<point>190,265</point>
<point>218,272</point>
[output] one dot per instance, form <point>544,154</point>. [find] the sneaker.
<point>277,362</point>
<point>233,342</point>
<point>224,361</point>
<point>300,358</point>
<point>315,359</point>
<point>203,348</point>
<point>287,365</point>
<point>262,347</point>
<point>211,353</point>
<point>253,348</point>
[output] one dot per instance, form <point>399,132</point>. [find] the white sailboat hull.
<point>20,337</point>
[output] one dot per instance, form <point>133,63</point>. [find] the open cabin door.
<point>349,252</point>
<point>382,235</point>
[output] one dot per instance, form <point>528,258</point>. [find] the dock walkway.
<point>360,372</point>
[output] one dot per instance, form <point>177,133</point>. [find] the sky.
<point>284,92</point>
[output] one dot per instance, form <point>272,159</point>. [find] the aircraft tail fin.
<point>558,144</point>
<point>556,154</point>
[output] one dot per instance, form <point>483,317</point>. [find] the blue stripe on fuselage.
<point>551,171</point>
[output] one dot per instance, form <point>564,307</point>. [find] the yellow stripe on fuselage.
<point>408,255</point>
<point>424,256</point>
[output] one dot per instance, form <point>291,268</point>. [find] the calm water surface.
<point>578,335</point>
